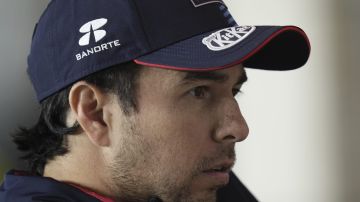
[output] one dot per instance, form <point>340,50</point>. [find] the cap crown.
<point>75,38</point>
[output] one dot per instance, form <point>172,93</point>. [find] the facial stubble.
<point>137,174</point>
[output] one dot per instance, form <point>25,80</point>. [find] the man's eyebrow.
<point>212,76</point>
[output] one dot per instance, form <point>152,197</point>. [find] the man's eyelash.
<point>199,92</point>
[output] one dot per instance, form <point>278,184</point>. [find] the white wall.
<point>304,124</point>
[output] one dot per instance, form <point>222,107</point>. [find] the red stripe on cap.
<point>253,52</point>
<point>180,68</point>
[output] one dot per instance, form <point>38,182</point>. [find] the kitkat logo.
<point>228,37</point>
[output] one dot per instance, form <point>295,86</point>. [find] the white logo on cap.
<point>92,27</point>
<point>92,31</point>
<point>227,37</point>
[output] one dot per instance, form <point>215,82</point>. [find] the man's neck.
<point>83,167</point>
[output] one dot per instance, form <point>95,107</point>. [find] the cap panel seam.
<point>54,45</point>
<point>34,69</point>
<point>140,19</point>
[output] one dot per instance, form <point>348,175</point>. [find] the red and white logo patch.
<point>228,37</point>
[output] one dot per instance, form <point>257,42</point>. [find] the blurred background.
<point>304,124</point>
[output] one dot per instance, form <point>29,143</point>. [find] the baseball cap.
<point>75,38</point>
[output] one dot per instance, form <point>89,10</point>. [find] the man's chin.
<point>204,196</point>
<point>202,187</point>
<point>201,194</point>
<point>209,182</point>
<point>198,194</point>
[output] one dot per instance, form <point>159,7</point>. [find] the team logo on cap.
<point>93,32</point>
<point>198,3</point>
<point>227,37</point>
<point>92,27</point>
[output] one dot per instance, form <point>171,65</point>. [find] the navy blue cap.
<point>75,38</point>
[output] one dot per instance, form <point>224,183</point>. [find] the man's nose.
<point>232,126</point>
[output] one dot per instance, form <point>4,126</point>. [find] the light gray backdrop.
<point>17,104</point>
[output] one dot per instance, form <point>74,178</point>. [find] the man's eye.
<point>200,92</point>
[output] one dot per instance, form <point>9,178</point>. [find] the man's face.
<point>179,145</point>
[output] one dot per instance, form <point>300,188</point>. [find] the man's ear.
<point>87,103</point>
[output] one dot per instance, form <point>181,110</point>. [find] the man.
<point>137,100</point>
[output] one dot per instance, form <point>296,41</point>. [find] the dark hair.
<point>47,138</point>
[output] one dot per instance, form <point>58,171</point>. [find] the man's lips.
<point>223,166</point>
<point>220,172</point>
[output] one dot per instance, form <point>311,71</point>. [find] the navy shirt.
<point>19,187</point>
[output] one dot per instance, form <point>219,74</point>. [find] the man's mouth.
<point>218,169</point>
<point>219,173</point>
